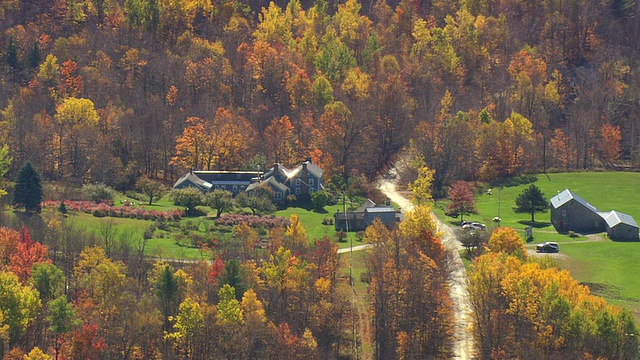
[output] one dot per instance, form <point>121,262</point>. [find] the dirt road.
<point>463,347</point>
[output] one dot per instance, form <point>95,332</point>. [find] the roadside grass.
<point>361,299</point>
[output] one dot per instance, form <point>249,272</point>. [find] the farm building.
<point>621,227</point>
<point>192,180</point>
<point>302,181</point>
<point>569,212</point>
<point>365,215</point>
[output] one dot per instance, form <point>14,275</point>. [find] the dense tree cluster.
<point>74,300</point>
<point>405,265</point>
<point>531,309</point>
<point>111,89</point>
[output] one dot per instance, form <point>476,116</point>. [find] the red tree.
<point>28,253</point>
<point>462,201</point>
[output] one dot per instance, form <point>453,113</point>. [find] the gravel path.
<point>463,346</point>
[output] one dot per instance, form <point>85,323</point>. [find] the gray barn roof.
<point>367,204</point>
<point>381,209</point>
<point>193,179</point>
<point>566,196</point>
<point>614,218</point>
<point>271,181</point>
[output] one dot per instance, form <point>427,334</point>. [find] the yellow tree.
<point>77,120</point>
<point>508,241</point>
<point>295,238</point>
<point>421,187</point>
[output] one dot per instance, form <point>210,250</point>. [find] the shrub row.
<point>266,221</point>
<point>106,209</point>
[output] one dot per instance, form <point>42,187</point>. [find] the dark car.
<point>548,247</point>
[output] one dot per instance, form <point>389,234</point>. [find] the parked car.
<point>474,225</point>
<point>548,247</point>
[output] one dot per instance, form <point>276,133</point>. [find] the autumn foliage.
<point>529,310</point>
<point>405,266</point>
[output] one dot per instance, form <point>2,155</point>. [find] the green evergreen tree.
<point>28,189</point>
<point>12,53</point>
<point>531,201</point>
<point>35,56</point>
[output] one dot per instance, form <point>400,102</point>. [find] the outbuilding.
<point>569,212</point>
<point>621,227</point>
<point>192,180</point>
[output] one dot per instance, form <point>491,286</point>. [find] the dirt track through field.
<point>463,343</point>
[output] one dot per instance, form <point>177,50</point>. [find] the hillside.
<point>107,90</point>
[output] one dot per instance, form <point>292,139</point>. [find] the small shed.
<point>386,214</point>
<point>569,212</point>
<point>349,221</point>
<point>621,227</point>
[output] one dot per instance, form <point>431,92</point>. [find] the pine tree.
<point>28,189</point>
<point>531,201</point>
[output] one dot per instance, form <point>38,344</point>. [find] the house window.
<point>311,182</point>
<point>298,182</point>
<point>278,195</point>
<point>235,188</point>
<point>564,212</point>
<point>297,191</point>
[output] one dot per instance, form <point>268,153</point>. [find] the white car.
<point>474,225</point>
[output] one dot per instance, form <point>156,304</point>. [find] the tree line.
<point>109,90</point>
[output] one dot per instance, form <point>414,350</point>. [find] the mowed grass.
<point>312,222</point>
<point>604,190</point>
<point>607,267</point>
<point>163,244</point>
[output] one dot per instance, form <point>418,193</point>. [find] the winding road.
<point>463,342</point>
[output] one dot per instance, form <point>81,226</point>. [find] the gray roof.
<point>283,171</point>
<point>380,209</point>
<point>229,182</point>
<point>271,181</point>
<point>367,204</point>
<point>194,179</point>
<point>349,215</point>
<point>566,196</point>
<point>614,218</point>
<point>313,168</point>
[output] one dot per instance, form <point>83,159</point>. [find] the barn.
<point>569,212</point>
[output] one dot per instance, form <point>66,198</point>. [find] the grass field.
<point>605,190</point>
<point>606,266</point>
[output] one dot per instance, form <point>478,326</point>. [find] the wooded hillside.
<point>107,90</point>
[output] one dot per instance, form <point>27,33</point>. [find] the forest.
<point>110,91</point>
<point>105,91</point>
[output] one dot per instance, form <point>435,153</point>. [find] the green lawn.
<point>605,266</point>
<point>312,222</point>
<point>604,190</point>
